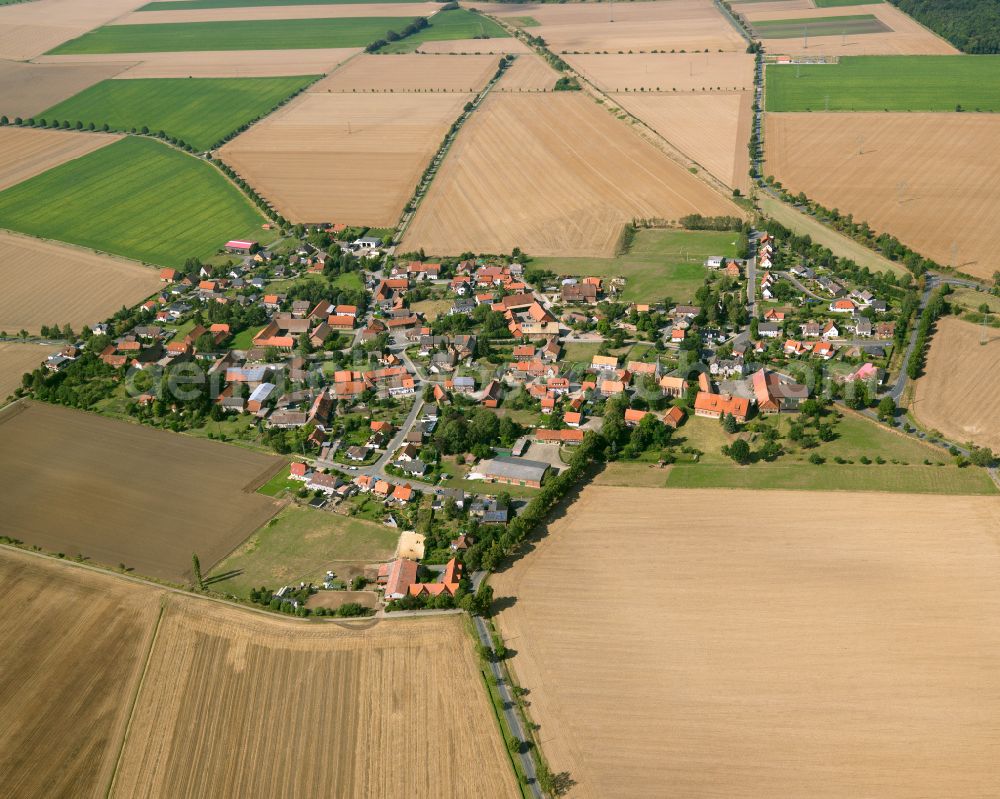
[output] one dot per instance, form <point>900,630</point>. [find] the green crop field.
<point>275,34</point>
<point>887,83</point>
<point>138,198</point>
<point>187,5</point>
<point>819,3</point>
<point>850,25</point>
<point>659,264</point>
<point>446,26</point>
<point>200,111</point>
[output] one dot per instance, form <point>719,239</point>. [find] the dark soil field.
<point>115,493</point>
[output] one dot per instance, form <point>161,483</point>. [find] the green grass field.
<point>446,26</point>
<point>849,25</point>
<point>138,198</point>
<point>300,544</point>
<point>887,83</point>
<point>187,5</point>
<point>660,263</point>
<point>199,111</point>
<point>280,34</point>
<point>830,3</point>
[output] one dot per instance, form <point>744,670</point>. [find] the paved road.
<point>509,708</point>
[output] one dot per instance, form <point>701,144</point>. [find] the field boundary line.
<point>135,697</point>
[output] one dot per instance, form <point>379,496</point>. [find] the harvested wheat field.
<point>834,649</point>
<point>277,12</point>
<point>75,643</point>
<point>16,359</point>
<point>126,493</point>
<point>553,174</point>
<point>682,72</point>
<point>353,158</point>
<point>932,180</point>
<point>905,36</point>
<point>237,705</point>
<point>711,129</point>
<point>959,393</point>
<point>474,46</point>
<point>26,152</point>
<point>411,72</point>
<point>30,29</point>
<point>228,64</point>
<point>599,27</point>
<point>528,73</point>
<point>47,283</point>
<point>26,89</point>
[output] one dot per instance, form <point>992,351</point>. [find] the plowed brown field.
<point>237,706</point>
<point>528,73</point>
<point>16,359</point>
<point>932,180</point>
<point>959,393</point>
<point>353,158</point>
<point>228,64</point>
<point>231,703</point>
<point>70,663</point>
<point>554,174</point>
<point>116,492</point>
<point>665,25</point>
<point>30,29</point>
<point>711,129</point>
<point>824,649</point>
<point>411,72</point>
<point>26,89</point>
<point>906,36</point>
<point>314,11</point>
<point>25,152</point>
<point>666,72</point>
<point>45,283</point>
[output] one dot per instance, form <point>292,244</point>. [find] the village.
<point>438,397</point>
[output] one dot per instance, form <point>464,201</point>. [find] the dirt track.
<point>763,644</point>
<point>932,180</point>
<point>553,174</point>
<point>959,393</point>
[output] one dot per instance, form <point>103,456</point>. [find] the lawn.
<point>281,483</point>
<point>199,111</point>
<point>137,198</point>
<point>187,5</point>
<point>849,25</point>
<point>457,23</point>
<point>658,265</point>
<point>349,281</point>
<point>887,83</point>
<point>280,34</point>
<point>301,544</point>
<point>431,309</point>
<point>855,437</point>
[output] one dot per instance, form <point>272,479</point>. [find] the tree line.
<point>973,26</point>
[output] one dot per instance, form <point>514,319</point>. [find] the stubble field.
<point>528,73</point>
<point>959,393</point>
<point>600,27</point>
<point>26,89</point>
<point>932,180</point>
<point>905,36</point>
<point>474,46</point>
<point>16,359</point>
<point>366,710</point>
<point>682,72</point>
<point>410,72</point>
<point>279,12</point>
<point>30,29</point>
<point>823,649</point>
<point>45,283</point>
<point>336,157</point>
<point>711,129</point>
<point>231,703</point>
<point>73,652</point>
<point>553,174</point>
<point>25,153</point>
<point>125,493</point>
<point>208,64</point>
